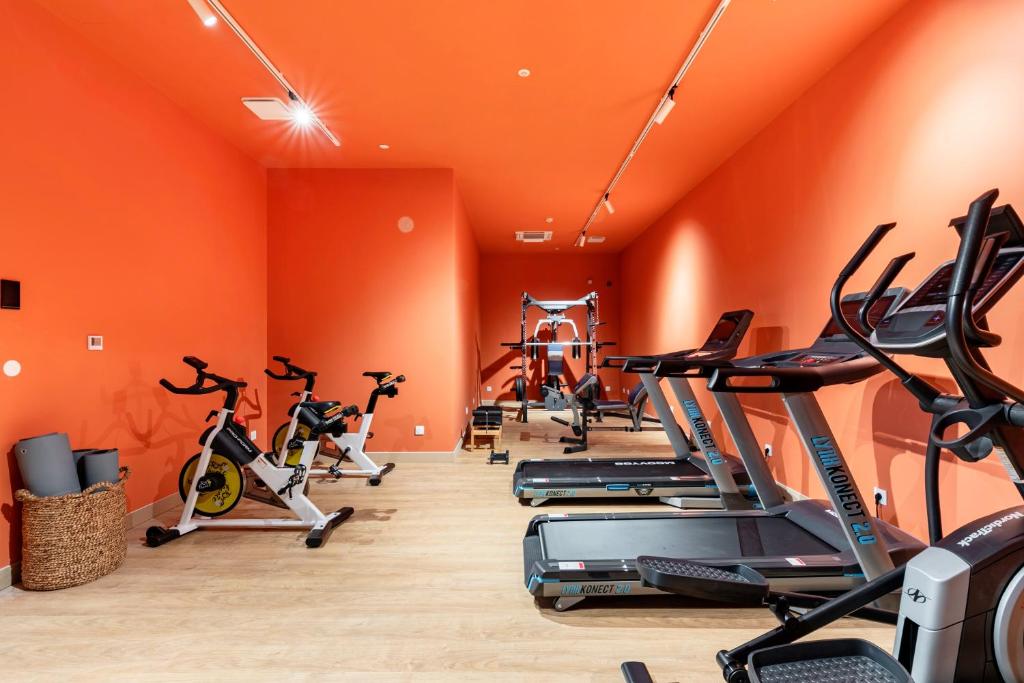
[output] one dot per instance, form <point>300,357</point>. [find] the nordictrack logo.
<point>989,528</point>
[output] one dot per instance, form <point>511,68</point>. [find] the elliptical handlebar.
<point>881,285</point>
<point>966,278</point>
<point>922,390</point>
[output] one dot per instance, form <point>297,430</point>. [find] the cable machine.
<point>552,396</point>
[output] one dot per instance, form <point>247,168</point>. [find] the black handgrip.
<point>971,241</point>
<point>878,289</point>
<point>195,389</point>
<point>273,374</point>
<point>784,380</point>
<point>195,362</point>
<point>349,411</point>
<point>400,378</point>
<point>282,359</point>
<point>873,240</point>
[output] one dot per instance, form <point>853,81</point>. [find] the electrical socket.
<point>881,496</point>
<point>252,435</point>
<point>488,388</point>
<point>419,430</point>
<point>769,451</point>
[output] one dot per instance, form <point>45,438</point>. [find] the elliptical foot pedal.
<point>733,583</point>
<point>318,537</point>
<point>158,535</point>
<point>495,456</point>
<point>636,672</point>
<point>846,659</point>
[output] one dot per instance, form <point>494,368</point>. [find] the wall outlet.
<point>252,435</point>
<point>419,430</point>
<point>94,342</point>
<point>881,496</point>
<point>467,410</point>
<point>607,387</point>
<point>769,451</point>
<point>488,388</point>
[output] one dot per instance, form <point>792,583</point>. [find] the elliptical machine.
<point>213,481</point>
<point>313,420</point>
<point>961,609</point>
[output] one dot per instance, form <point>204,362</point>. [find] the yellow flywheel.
<point>220,488</point>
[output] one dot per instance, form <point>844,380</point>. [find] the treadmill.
<point>803,546</point>
<point>694,478</point>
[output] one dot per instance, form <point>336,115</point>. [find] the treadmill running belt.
<point>608,469</point>
<point>694,538</point>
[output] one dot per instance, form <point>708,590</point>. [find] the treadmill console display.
<point>722,334</point>
<point>850,308</point>
<point>918,323</point>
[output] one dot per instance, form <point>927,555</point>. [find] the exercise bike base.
<point>158,535</point>
<point>318,537</point>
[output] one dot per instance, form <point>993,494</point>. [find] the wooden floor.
<point>424,583</point>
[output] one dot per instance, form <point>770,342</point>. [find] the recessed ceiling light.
<point>524,73</point>
<point>549,220</point>
<point>385,147</point>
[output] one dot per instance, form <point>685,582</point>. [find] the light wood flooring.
<point>424,583</point>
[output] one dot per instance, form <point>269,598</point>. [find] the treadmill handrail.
<point>626,363</point>
<point>793,380</point>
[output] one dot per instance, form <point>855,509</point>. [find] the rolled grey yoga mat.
<point>47,465</point>
<point>97,465</point>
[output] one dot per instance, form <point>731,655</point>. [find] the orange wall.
<point>911,126</point>
<point>504,277</point>
<point>350,292</point>
<point>121,217</point>
<point>467,313</point>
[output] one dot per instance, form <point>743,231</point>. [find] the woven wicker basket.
<point>73,539</point>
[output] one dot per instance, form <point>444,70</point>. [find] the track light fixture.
<point>581,240</point>
<point>204,12</point>
<point>608,205</point>
<point>301,113</point>
<point>665,106</point>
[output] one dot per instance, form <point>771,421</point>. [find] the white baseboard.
<point>10,575</point>
<point>148,512</point>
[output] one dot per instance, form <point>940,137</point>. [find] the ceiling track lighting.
<point>204,13</point>
<point>667,105</point>
<point>302,112</point>
<point>661,112</point>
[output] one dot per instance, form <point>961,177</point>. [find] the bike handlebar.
<point>198,388</point>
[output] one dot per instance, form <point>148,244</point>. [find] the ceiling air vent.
<point>533,235</point>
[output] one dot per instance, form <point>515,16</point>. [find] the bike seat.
<point>376,375</point>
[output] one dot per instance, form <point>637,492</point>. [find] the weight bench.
<point>587,408</point>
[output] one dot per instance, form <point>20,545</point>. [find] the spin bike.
<point>313,420</point>
<point>961,611</point>
<point>213,481</point>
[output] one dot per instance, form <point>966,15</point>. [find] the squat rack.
<point>554,317</point>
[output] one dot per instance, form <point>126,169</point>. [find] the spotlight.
<point>664,110</point>
<point>204,12</point>
<point>608,205</point>
<point>581,240</point>
<point>301,115</point>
